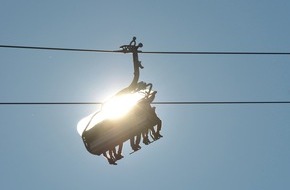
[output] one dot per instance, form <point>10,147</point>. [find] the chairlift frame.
<point>109,133</point>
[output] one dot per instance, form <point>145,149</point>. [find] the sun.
<point>114,108</point>
<point>119,106</point>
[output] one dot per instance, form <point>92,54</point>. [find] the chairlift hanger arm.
<point>133,48</point>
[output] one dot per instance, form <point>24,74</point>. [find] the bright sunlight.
<point>115,108</point>
<point>119,106</point>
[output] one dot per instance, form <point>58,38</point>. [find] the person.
<point>155,134</point>
<point>157,122</point>
<point>149,128</point>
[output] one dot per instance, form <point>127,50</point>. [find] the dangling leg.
<point>145,136</point>
<point>110,160</point>
<point>135,143</point>
<point>138,139</point>
<point>152,132</point>
<point>119,153</point>
<point>158,122</point>
<point>132,139</point>
<point>159,125</point>
<point>112,152</point>
<point>106,156</point>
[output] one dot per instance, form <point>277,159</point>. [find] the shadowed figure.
<point>153,122</point>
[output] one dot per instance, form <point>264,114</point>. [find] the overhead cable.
<point>59,49</point>
<point>156,103</point>
<point>146,52</point>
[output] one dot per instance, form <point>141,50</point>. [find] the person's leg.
<point>119,152</point>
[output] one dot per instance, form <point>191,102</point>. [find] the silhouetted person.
<point>157,122</point>
<point>153,119</point>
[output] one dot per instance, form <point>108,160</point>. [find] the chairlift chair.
<point>105,129</point>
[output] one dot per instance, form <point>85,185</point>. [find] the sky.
<point>204,147</point>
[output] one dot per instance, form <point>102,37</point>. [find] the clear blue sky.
<point>221,147</point>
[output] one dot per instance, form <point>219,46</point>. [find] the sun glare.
<point>116,107</point>
<point>119,106</point>
<point>82,124</point>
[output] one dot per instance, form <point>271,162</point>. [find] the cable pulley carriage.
<point>128,115</point>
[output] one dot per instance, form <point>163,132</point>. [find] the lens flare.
<point>118,106</point>
<point>115,108</point>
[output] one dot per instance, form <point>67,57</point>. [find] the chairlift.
<point>124,116</point>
